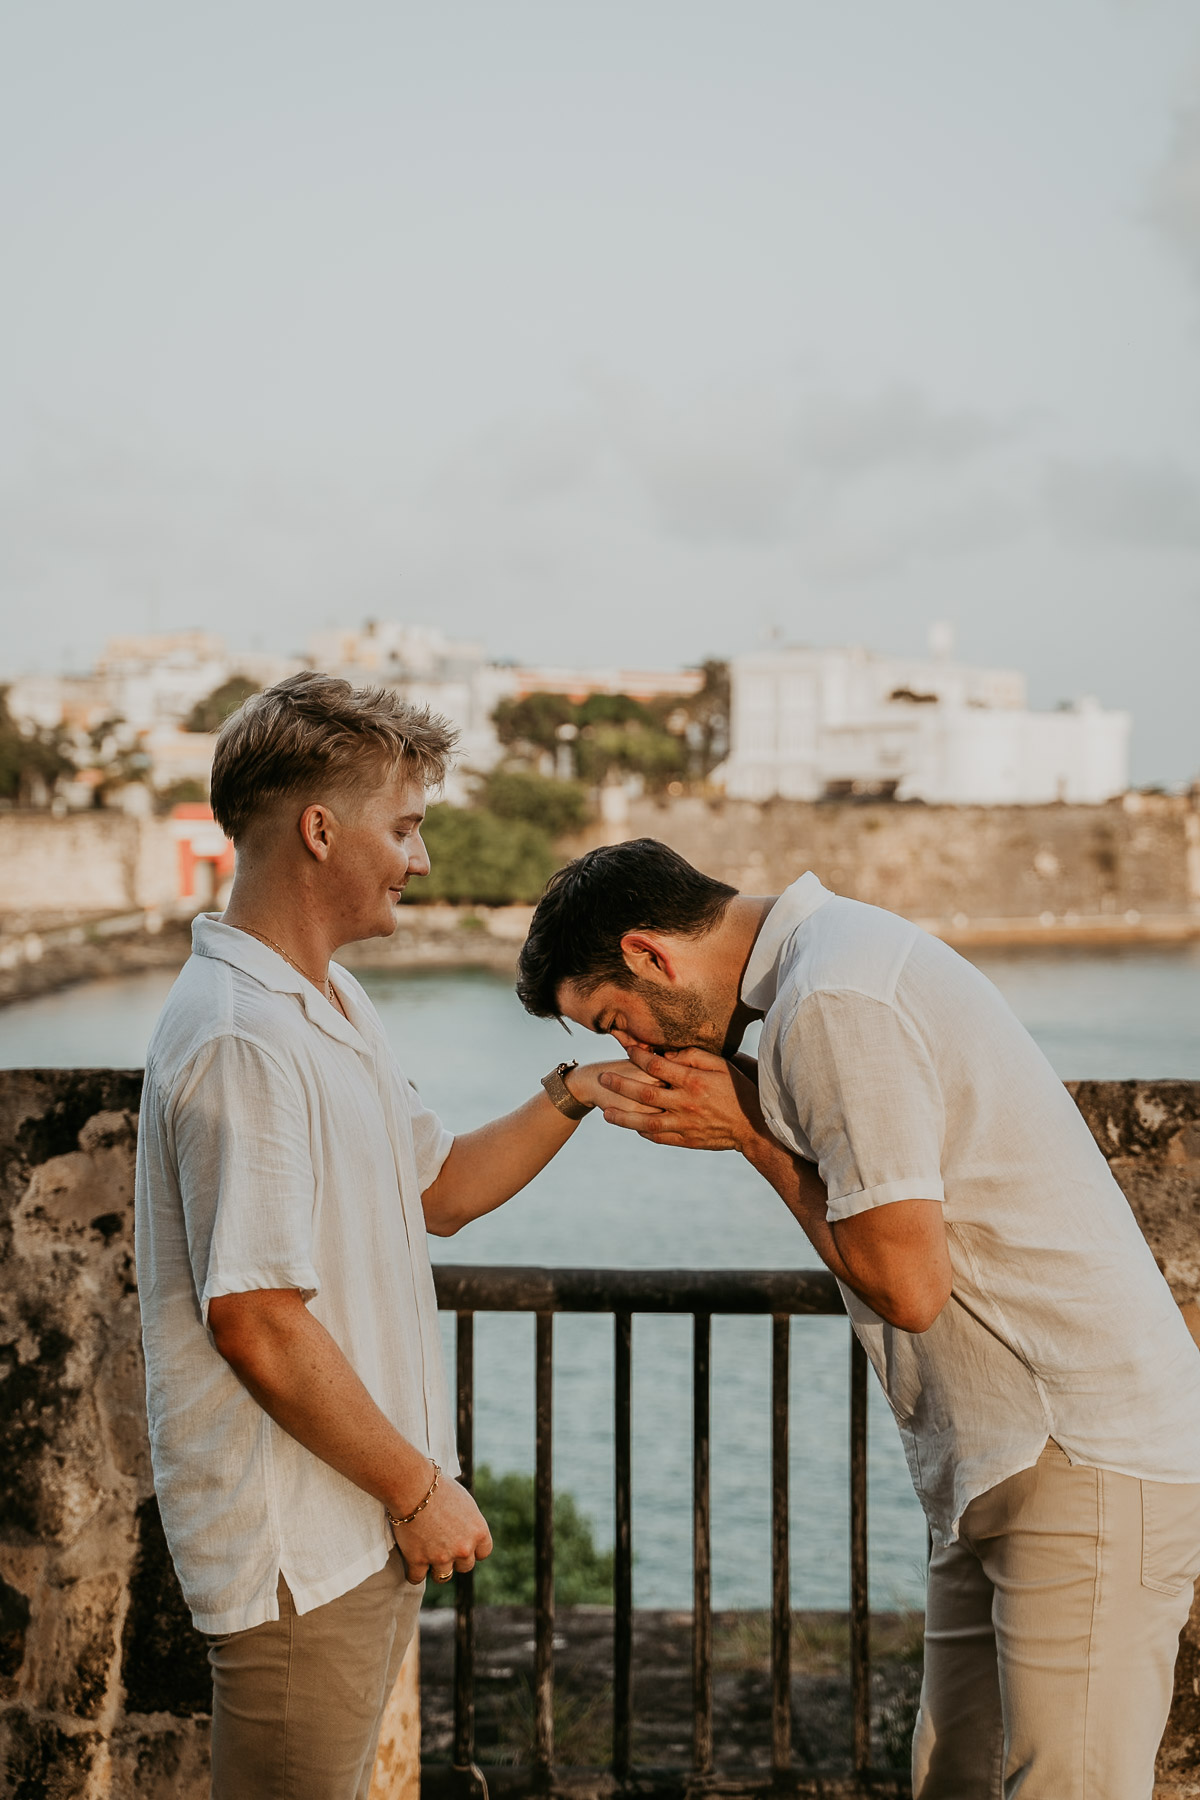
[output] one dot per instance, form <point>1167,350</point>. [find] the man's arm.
<point>894,1257</point>
<point>288,1362</point>
<point>488,1166</point>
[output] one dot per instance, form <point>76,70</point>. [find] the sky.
<point>611,331</point>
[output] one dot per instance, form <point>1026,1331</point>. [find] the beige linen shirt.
<point>896,1067</point>
<point>280,1146</point>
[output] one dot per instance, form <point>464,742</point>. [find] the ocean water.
<point>610,1200</point>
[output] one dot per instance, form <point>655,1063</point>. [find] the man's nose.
<point>418,861</point>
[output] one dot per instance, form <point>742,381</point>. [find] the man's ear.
<point>649,957</point>
<point>316,826</point>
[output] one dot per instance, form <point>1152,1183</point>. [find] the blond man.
<point>288,1174</point>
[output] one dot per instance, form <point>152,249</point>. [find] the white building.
<point>813,723</point>
<point>457,680</point>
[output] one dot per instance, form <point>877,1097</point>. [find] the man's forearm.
<point>297,1373</point>
<point>802,1192</point>
<point>488,1166</point>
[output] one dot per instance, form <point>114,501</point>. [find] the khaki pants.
<point>298,1702</point>
<point>1051,1630</point>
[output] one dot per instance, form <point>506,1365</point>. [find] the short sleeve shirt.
<point>897,1067</point>
<point>280,1146</point>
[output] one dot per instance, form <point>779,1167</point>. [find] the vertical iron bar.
<point>781,1599</point>
<point>464,1586</point>
<point>860,1616</point>
<point>623,1545</point>
<point>702,1675</point>
<point>543,1718</point>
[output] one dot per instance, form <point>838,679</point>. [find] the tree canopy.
<point>211,713</point>
<point>32,758</point>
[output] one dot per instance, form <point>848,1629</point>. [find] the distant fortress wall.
<point>953,866</point>
<point>85,863</point>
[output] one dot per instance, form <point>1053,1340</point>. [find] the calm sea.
<point>610,1200</point>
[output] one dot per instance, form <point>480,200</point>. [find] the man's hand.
<point>587,1083</point>
<point>449,1537</point>
<point>488,1166</point>
<point>699,1102</point>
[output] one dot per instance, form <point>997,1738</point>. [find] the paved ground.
<point>662,1688</point>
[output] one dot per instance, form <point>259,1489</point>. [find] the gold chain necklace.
<point>326,987</point>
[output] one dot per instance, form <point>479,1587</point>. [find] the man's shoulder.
<point>847,946</point>
<point>211,1004</point>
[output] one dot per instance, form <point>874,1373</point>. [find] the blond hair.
<point>317,735</point>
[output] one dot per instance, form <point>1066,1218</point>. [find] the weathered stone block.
<point>42,1761</point>
<point>152,1760</point>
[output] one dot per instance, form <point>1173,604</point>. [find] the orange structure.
<point>206,856</point>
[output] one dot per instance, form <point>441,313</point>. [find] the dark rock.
<point>41,1761</point>
<point>14,1621</point>
<point>164,1659</point>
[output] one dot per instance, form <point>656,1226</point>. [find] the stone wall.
<point>85,863</point>
<point>1136,855</point>
<point>103,1684</point>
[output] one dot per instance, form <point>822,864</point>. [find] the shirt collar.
<point>760,984</point>
<point>225,943</point>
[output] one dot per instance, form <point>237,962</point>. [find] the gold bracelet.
<point>409,1517</point>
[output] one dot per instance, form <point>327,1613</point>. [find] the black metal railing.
<point>622,1292</point>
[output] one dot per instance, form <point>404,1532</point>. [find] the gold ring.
<point>444,1578</point>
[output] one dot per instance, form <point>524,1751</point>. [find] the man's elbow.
<point>442,1225</point>
<point>915,1310</point>
<point>442,1218</point>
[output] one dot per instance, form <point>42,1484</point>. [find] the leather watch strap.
<point>556,1087</point>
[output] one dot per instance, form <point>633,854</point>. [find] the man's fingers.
<point>694,1058</point>
<point>632,1089</point>
<point>415,1572</point>
<point>653,1063</point>
<point>622,1115</point>
<point>483,1545</point>
<point>463,1565</point>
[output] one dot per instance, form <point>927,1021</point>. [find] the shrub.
<point>583,1575</point>
<point>480,860</point>
<point>554,806</point>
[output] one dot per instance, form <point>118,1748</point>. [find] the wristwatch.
<point>555,1084</point>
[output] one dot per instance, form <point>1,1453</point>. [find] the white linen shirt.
<point>896,1067</point>
<point>280,1146</point>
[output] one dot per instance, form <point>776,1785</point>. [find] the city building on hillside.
<point>810,724</point>
<point>458,680</point>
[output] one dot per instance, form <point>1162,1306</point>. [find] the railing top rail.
<point>479,1287</point>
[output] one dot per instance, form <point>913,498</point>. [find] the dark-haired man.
<point>1046,1387</point>
<point>288,1174</point>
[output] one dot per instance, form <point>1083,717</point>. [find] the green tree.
<point>32,758</point>
<point>532,723</point>
<point>554,806</point>
<point>481,860</point>
<point>211,713</point>
<point>583,1575</point>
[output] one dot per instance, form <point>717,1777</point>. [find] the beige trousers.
<point>1051,1630</point>
<point>298,1702</point>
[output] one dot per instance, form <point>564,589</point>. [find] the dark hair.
<point>589,906</point>
<point>316,731</point>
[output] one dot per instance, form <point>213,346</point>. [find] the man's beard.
<point>682,1018</point>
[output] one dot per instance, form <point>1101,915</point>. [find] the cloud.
<point>1155,505</point>
<point>1174,199</point>
<point>766,464</point>
<point>898,427</point>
